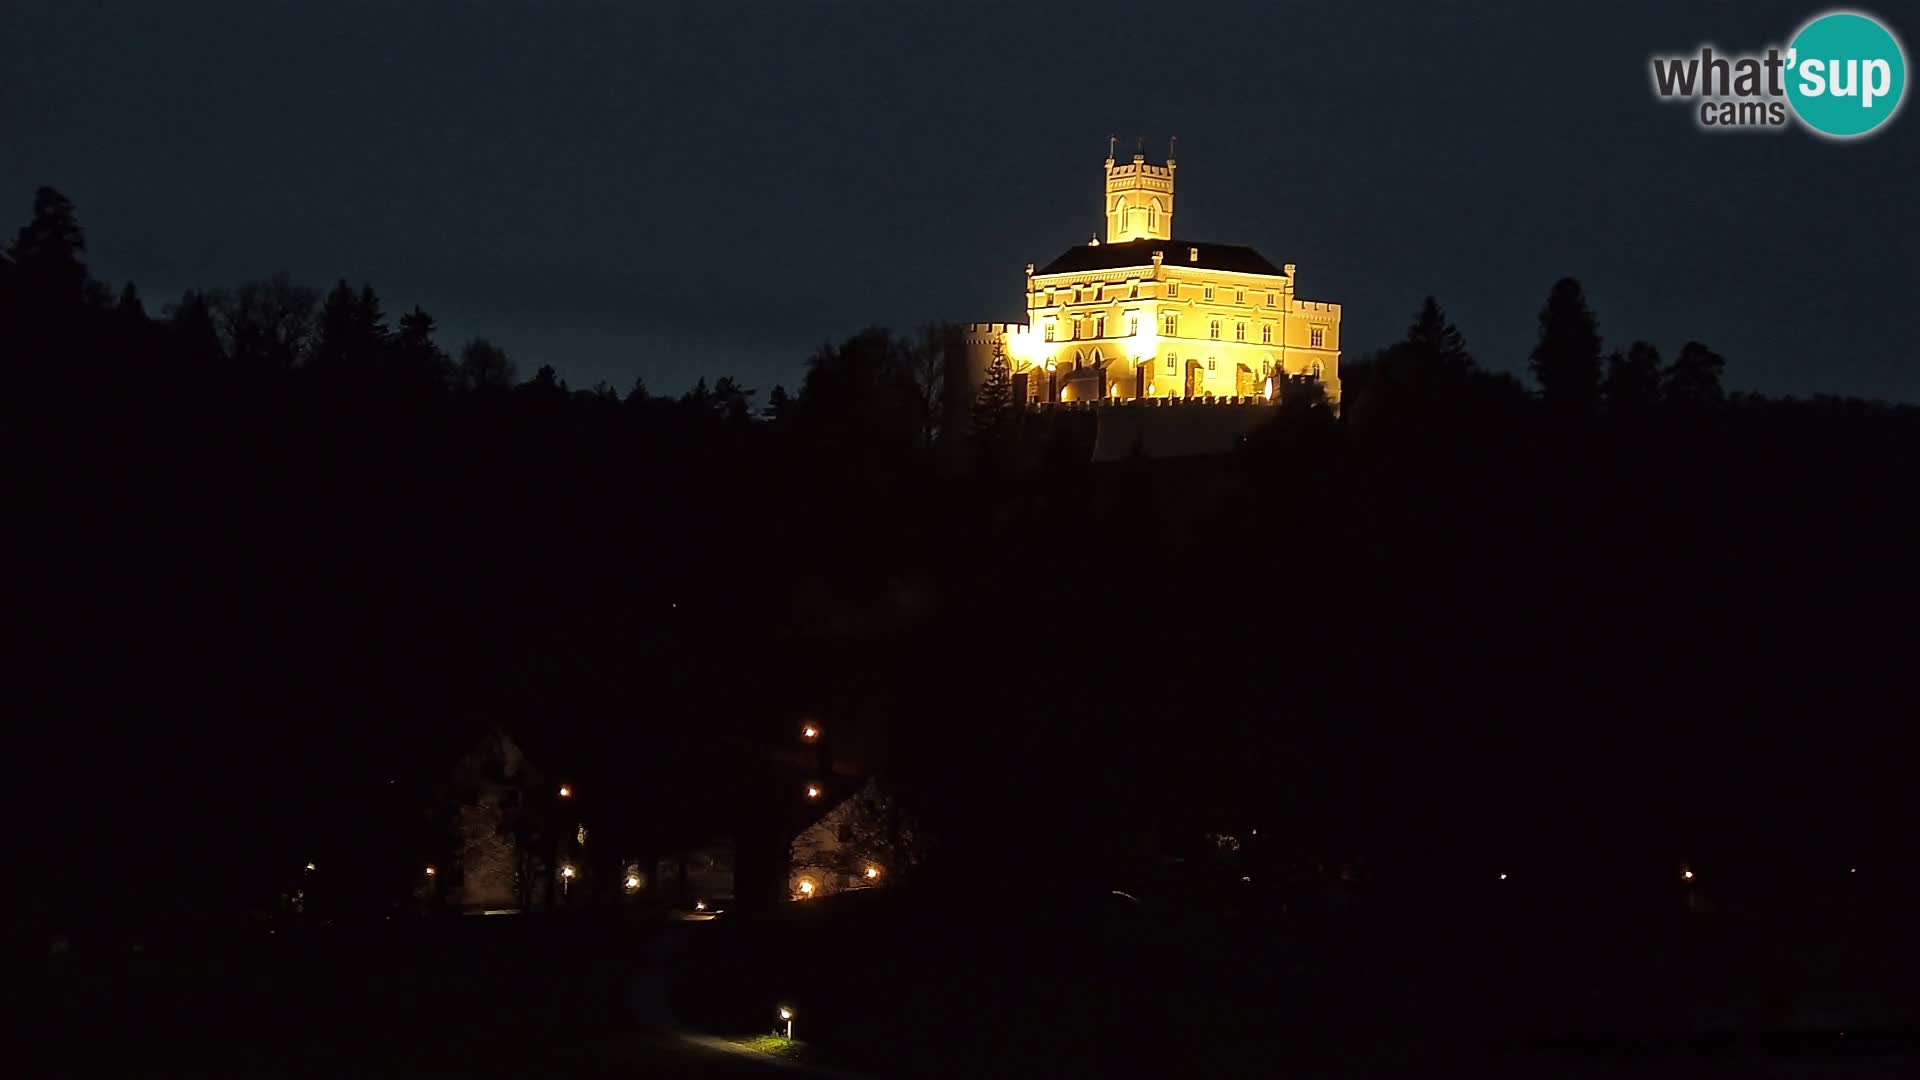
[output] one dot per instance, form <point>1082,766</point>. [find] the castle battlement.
<point>1317,307</point>
<point>988,332</point>
<point>1208,401</point>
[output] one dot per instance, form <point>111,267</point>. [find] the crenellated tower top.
<point>1139,198</point>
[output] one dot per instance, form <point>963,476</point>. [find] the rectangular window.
<point>1213,329</point>
<point>1209,363</point>
<point>1049,332</point>
<point>1099,326</point>
<point>1169,361</point>
<point>1317,337</point>
<point>1239,331</point>
<point>1239,296</point>
<point>1273,299</point>
<point>1170,326</point>
<point>1173,289</point>
<point>1133,326</point>
<point>1206,293</point>
<point>1266,335</point>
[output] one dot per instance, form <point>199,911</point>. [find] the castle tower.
<point>1139,199</point>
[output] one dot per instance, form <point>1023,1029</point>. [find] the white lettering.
<point>1876,87</point>
<point>1812,76</point>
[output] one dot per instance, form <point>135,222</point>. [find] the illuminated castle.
<point>1143,315</point>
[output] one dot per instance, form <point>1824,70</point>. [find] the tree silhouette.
<point>779,403</point>
<point>1420,381</point>
<point>130,309</point>
<point>484,366</point>
<point>1304,397</point>
<point>1566,360</point>
<point>993,406</point>
<point>545,381</point>
<point>196,339</point>
<point>1633,379</point>
<point>932,356</point>
<point>419,360</point>
<point>862,392</point>
<point>698,400</point>
<point>1436,343</point>
<point>269,323</point>
<point>1694,377</point>
<point>351,337</point>
<point>49,253</point>
<point>732,402</point>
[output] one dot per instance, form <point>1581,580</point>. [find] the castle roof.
<point>1230,257</point>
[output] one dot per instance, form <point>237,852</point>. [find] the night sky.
<point>665,190</point>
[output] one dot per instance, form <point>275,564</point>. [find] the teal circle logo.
<point>1846,74</point>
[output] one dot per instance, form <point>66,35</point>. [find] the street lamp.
<point>809,732</point>
<point>813,792</point>
<point>566,792</point>
<point>431,871</point>
<point>806,888</point>
<point>787,1015</point>
<point>873,873</point>
<point>309,867</point>
<point>632,882</point>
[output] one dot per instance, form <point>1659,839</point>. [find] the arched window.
<point>1266,333</point>
<point>1170,326</point>
<point>1213,330</point>
<point>1153,214</point>
<point>1095,359</point>
<point>1120,214</point>
<point>1079,358</point>
<point>1239,331</point>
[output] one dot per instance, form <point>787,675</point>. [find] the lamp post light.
<point>810,732</point>
<point>566,880</point>
<point>813,791</point>
<point>786,1014</point>
<point>873,873</point>
<point>431,871</point>
<point>806,888</point>
<point>566,792</point>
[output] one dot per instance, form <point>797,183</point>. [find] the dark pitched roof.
<point>1230,257</point>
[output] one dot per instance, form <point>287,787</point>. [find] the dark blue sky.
<point>681,189</point>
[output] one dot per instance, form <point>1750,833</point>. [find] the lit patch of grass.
<point>776,1045</point>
